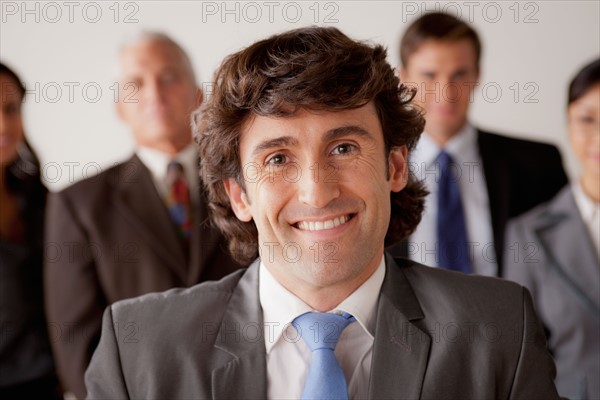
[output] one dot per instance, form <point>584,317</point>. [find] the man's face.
<point>316,187</point>
<point>11,125</point>
<point>157,95</point>
<point>445,74</point>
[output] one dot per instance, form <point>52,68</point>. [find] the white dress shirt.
<point>473,190</point>
<point>288,357</point>
<point>157,162</point>
<point>590,213</point>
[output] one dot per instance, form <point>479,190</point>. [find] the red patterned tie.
<point>178,200</point>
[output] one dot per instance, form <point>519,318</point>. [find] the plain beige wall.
<point>65,53</point>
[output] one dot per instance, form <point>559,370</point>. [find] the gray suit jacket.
<point>549,250</point>
<point>439,334</point>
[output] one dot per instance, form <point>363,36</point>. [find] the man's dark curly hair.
<point>311,68</point>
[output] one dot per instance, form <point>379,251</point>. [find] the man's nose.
<point>318,185</point>
<point>153,91</point>
<point>452,90</point>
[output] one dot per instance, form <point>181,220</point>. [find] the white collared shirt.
<point>473,190</point>
<point>288,357</point>
<point>590,213</point>
<point>157,162</point>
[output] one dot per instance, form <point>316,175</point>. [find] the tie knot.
<point>321,330</point>
<point>175,172</point>
<point>444,159</point>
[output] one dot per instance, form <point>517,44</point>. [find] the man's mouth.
<point>322,225</point>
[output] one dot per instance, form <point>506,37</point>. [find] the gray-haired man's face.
<point>157,95</point>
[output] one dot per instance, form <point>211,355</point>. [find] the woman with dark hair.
<point>554,250</point>
<point>26,365</point>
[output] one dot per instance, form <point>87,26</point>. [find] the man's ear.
<point>398,164</point>
<point>401,74</point>
<point>120,110</point>
<point>238,199</point>
<point>474,84</point>
<point>199,98</point>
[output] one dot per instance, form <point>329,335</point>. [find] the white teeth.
<point>321,225</point>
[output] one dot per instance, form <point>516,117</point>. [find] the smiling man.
<point>477,179</point>
<point>304,145</point>
<point>321,189</point>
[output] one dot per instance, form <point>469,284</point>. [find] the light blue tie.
<point>320,332</point>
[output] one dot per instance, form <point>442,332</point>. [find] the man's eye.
<point>132,86</point>
<point>586,120</point>
<point>168,77</point>
<point>277,159</point>
<point>459,75</point>
<point>344,149</point>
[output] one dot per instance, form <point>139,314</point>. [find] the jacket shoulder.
<point>105,181</point>
<point>204,301</point>
<point>513,143</point>
<point>546,211</point>
<point>462,293</point>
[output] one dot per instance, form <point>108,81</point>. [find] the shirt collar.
<point>587,207</point>
<point>280,306</point>
<point>460,146</point>
<point>157,161</point>
<point>362,303</point>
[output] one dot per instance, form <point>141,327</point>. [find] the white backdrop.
<point>65,52</point>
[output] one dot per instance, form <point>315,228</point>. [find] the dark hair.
<point>12,75</point>
<point>310,68</point>
<point>437,26</point>
<point>22,178</point>
<point>24,171</point>
<point>587,77</point>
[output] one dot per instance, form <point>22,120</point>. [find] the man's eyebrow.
<point>350,130</point>
<point>461,70</point>
<point>333,134</point>
<point>283,141</point>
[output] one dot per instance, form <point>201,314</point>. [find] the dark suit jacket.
<point>439,334</point>
<point>549,250</point>
<point>519,174</point>
<point>109,238</point>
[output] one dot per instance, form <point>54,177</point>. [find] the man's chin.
<point>327,270</point>
<point>443,127</point>
<point>164,134</point>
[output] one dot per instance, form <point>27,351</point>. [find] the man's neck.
<point>323,298</point>
<point>169,148</point>
<point>442,136</point>
<point>590,185</point>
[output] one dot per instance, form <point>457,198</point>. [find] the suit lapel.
<point>401,349</point>
<point>563,237</point>
<point>400,352</point>
<point>244,375</point>
<point>142,209</point>
<point>498,187</point>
